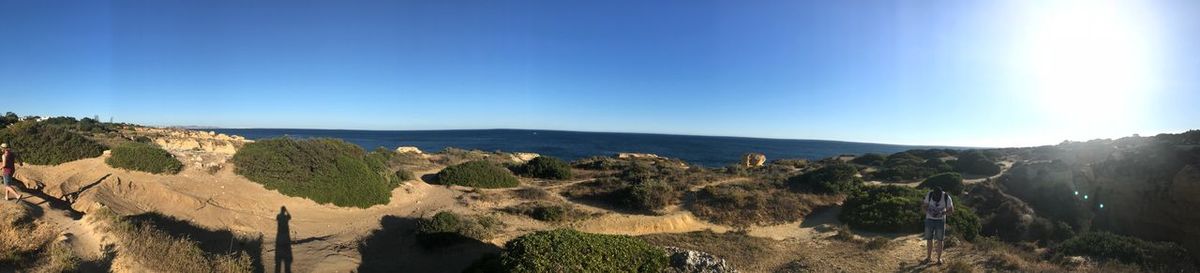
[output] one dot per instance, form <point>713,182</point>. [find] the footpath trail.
<point>85,240</point>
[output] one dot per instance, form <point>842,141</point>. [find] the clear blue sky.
<point>983,73</point>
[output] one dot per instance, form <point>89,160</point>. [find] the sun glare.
<point>1089,63</point>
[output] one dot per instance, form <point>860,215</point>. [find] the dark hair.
<point>936,194</point>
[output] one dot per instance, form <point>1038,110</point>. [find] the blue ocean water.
<point>710,151</point>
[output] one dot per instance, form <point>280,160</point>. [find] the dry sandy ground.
<point>325,238</point>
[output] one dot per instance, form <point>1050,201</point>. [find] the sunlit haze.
<point>964,73</point>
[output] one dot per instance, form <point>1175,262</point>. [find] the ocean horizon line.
<point>592,132</point>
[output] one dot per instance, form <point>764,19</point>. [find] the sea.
<point>708,151</point>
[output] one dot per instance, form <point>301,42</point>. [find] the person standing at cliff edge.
<point>937,205</point>
<point>9,162</point>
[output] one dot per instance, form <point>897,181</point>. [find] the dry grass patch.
<point>22,239</point>
<point>154,249</point>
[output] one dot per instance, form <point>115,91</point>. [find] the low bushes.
<point>898,209</point>
<point>884,209</point>
<point>976,162</point>
<point>650,195</point>
<point>448,228</point>
<point>478,174</point>
<point>324,170</point>
<point>869,159</point>
<point>1111,247</point>
<point>548,212</point>
<point>642,187</point>
<point>547,168</point>
<point>964,223</point>
<point>950,182</point>
<point>48,145</point>
<point>833,179</point>
<point>742,205</point>
<point>565,250</point>
<point>144,157</point>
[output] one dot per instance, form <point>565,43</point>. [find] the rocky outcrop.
<point>198,149</point>
<point>523,157</point>
<point>182,140</point>
<point>638,156</point>
<point>689,261</point>
<point>408,150</point>
<point>753,160</point>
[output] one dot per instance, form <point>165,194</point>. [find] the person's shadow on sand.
<point>283,242</point>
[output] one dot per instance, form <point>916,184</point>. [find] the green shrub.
<point>893,208</point>
<point>649,195</point>
<point>833,179</point>
<point>478,174</point>
<point>950,182</point>
<point>144,157</point>
<point>869,159</point>
<point>976,162</point>
<point>405,175</point>
<point>48,145</point>
<point>964,223</point>
<point>1111,247</point>
<point>549,212</point>
<point>547,168</point>
<point>600,163</point>
<point>448,228</point>
<point>324,170</point>
<point>884,208</point>
<point>565,250</point>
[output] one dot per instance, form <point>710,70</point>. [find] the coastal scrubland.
<point>1097,206</point>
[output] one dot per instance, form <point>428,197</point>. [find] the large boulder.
<point>753,160</point>
<point>689,261</point>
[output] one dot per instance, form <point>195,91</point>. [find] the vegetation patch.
<point>976,162</point>
<point>478,174</point>
<point>144,157</point>
<point>949,182</point>
<point>546,167</point>
<point>743,205</point>
<point>832,179</point>
<point>23,241</point>
<point>738,249</point>
<point>565,250</point>
<point>448,228</point>
<point>908,166</point>
<point>642,187</point>
<point>158,250</point>
<point>324,170</point>
<point>1106,246</point>
<point>40,144</point>
<point>548,212</point>
<point>891,208</point>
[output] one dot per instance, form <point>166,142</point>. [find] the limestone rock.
<point>689,261</point>
<point>753,160</point>
<point>524,157</point>
<point>408,149</point>
<point>638,156</point>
